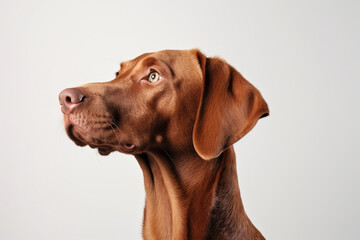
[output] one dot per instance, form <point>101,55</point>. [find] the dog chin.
<point>104,151</point>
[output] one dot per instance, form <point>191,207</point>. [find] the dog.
<point>179,113</point>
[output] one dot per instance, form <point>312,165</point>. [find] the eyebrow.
<point>148,62</point>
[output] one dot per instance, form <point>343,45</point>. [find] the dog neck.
<point>190,198</point>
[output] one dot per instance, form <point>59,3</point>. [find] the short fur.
<point>181,130</point>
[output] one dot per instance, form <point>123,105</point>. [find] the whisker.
<point>61,126</point>
<point>117,136</point>
<point>61,122</point>
<point>113,119</point>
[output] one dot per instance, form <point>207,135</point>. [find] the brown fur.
<point>181,130</point>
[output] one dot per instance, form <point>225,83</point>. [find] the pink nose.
<point>69,99</point>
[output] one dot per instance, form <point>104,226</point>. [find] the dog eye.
<point>153,77</point>
<point>116,74</point>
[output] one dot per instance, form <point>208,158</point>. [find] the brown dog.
<point>178,113</point>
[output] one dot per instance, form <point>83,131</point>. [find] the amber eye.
<point>153,77</point>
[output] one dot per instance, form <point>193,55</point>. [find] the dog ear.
<point>229,108</point>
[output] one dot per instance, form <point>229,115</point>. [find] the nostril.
<point>68,99</point>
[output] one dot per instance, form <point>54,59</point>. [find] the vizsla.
<point>179,113</point>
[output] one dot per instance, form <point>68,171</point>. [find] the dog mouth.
<point>104,145</point>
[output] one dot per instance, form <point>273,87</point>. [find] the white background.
<point>298,168</point>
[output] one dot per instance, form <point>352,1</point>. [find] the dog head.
<point>176,99</point>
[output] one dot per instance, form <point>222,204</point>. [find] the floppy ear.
<point>229,108</point>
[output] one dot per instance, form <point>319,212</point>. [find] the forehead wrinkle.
<point>169,68</point>
<point>141,65</point>
<point>150,61</point>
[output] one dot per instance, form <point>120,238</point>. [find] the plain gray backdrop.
<point>298,168</point>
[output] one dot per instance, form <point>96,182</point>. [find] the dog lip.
<point>70,132</point>
<point>78,135</point>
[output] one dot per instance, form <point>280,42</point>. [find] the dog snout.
<point>69,99</point>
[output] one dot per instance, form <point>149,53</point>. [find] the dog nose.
<point>70,98</point>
